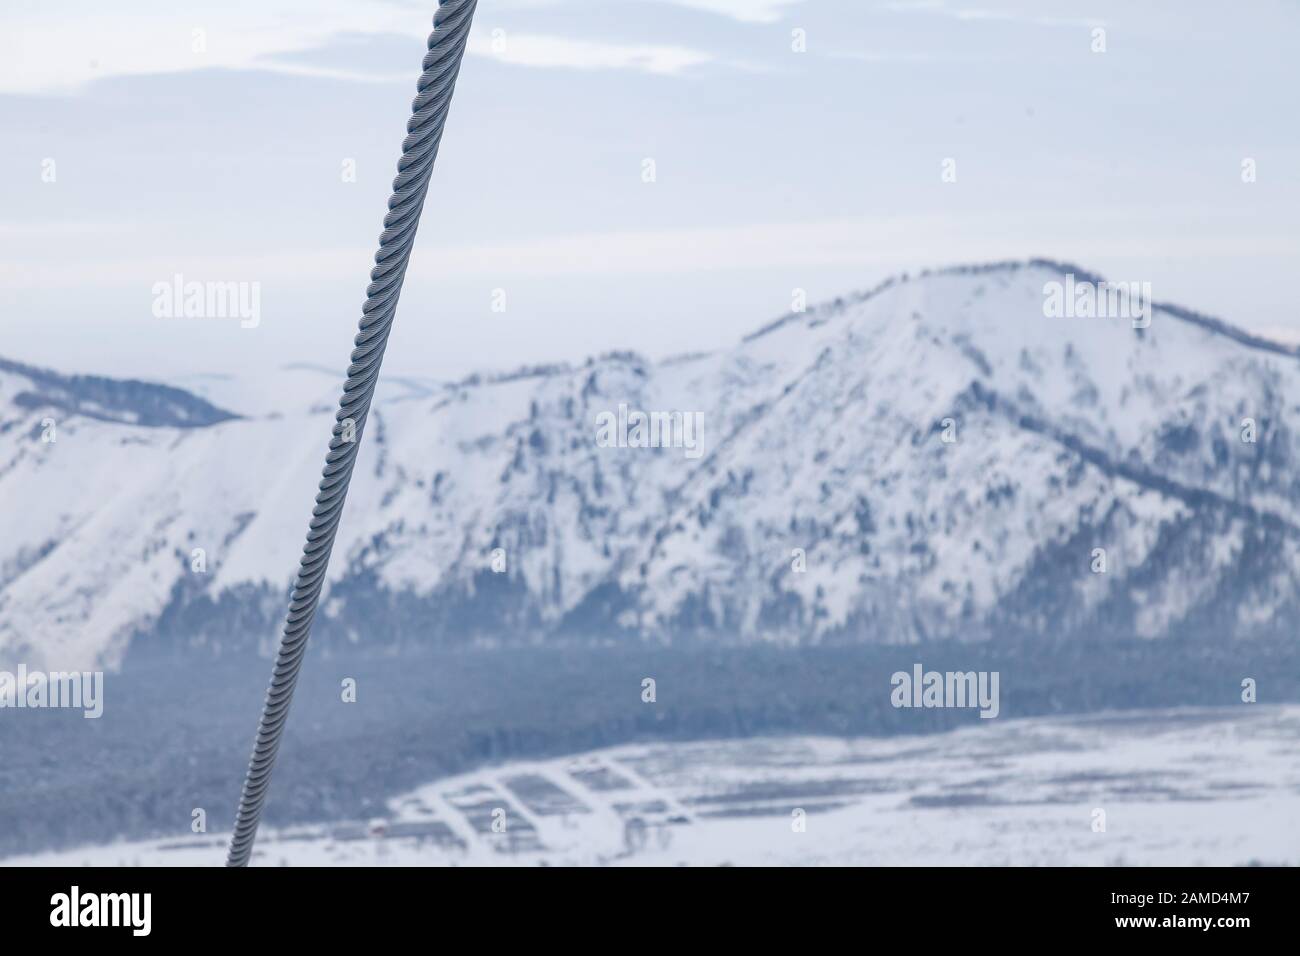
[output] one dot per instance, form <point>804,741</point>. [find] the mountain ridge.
<point>827,437</point>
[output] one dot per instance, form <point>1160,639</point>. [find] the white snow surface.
<point>822,433</point>
<point>1189,787</point>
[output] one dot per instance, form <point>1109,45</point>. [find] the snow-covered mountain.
<point>935,458</point>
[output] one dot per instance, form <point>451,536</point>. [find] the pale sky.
<point>209,140</point>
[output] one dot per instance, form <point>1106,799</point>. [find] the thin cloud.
<point>745,11</point>
<point>562,52</point>
<point>981,13</point>
<point>1092,235</point>
<point>38,55</point>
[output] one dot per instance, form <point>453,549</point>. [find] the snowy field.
<point>1186,787</point>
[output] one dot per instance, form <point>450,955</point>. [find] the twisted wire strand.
<point>419,151</point>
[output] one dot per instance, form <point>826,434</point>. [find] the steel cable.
<point>451,25</point>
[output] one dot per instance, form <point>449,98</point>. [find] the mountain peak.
<point>936,457</point>
<point>125,401</point>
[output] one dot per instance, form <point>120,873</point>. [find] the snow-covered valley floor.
<point>1186,787</point>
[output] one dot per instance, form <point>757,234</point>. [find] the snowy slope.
<point>824,432</point>
<point>1212,787</point>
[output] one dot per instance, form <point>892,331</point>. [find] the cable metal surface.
<point>451,26</point>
